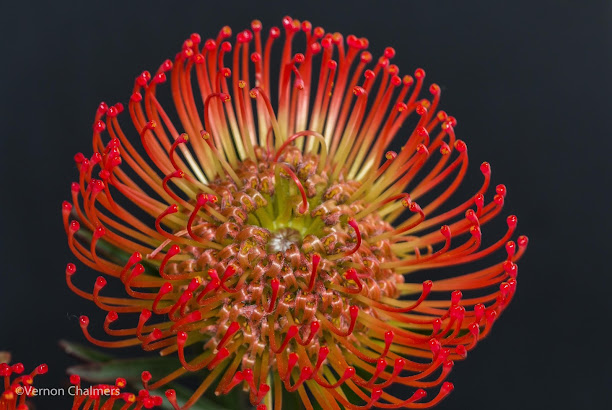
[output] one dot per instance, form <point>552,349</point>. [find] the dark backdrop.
<point>528,81</point>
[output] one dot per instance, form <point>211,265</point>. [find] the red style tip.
<point>145,376</point>
<point>84,321</point>
<point>100,283</point>
<point>111,316</point>
<point>447,387</point>
<point>99,126</point>
<point>70,269</point>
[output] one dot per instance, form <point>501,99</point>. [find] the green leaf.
<point>85,353</point>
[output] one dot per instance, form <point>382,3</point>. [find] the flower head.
<point>20,387</point>
<point>265,233</point>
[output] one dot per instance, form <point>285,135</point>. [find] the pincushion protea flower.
<point>17,390</point>
<point>277,239</point>
<point>104,396</point>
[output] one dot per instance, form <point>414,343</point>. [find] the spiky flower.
<point>271,241</point>
<point>20,387</point>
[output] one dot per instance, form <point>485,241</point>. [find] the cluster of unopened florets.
<point>17,386</point>
<point>106,396</point>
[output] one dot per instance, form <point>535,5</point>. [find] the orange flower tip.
<point>17,368</point>
<point>74,226</point>
<point>156,334</point>
<point>248,373</point>
<point>99,232</point>
<point>501,190</point>
<point>323,353</point>
<point>422,149</point>
<point>100,283</point>
<point>443,355</point>
<point>137,270</point>
<point>510,249</point>
<point>120,382</point>
<point>383,62</point>
<point>475,232</point>
<point>445,230</point>
<point>159,78</point>
<point>399,365</point>
<point>146,376</point>
<point>181,338</point>
<point>499,200</point>
<point>376,394</point>
<point>84,321</point>
<point>389,335</point>
<point>510,268</point>
<point>461,351</point>
<point>456,296</point>
<point>193,284</point>
<point>112,112</point>
<point>102,108</point>
<point>111,317</point>
<point>135,258</point>
<point>436,325</point>
<point>458,312</point>
<point>104,175</point>
<point>42,369</point>
<point>96,186</point>
<point>359,91</point>
<point>434,346</point>
<point>75,379</point>
<point>390,155</point>
<point>99,126</point>
<point>354,311</point>
<point>145,315</point>
<point>485,168</point>
<point>512,221</point>
<point>136,97</point>
<point>79,157</point>
<point>166,288</point>
<point>221,355</point>
<point>149,402</point>
<point>447,387</point>
<point>434,89</point>
<point>225,72</point>
<point>478,201</point>
<point>505,288</point>
<point>460,146</point>
<point>381,364</point>
<point>70,269</point>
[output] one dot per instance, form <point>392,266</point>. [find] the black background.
<point>528,81</point>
